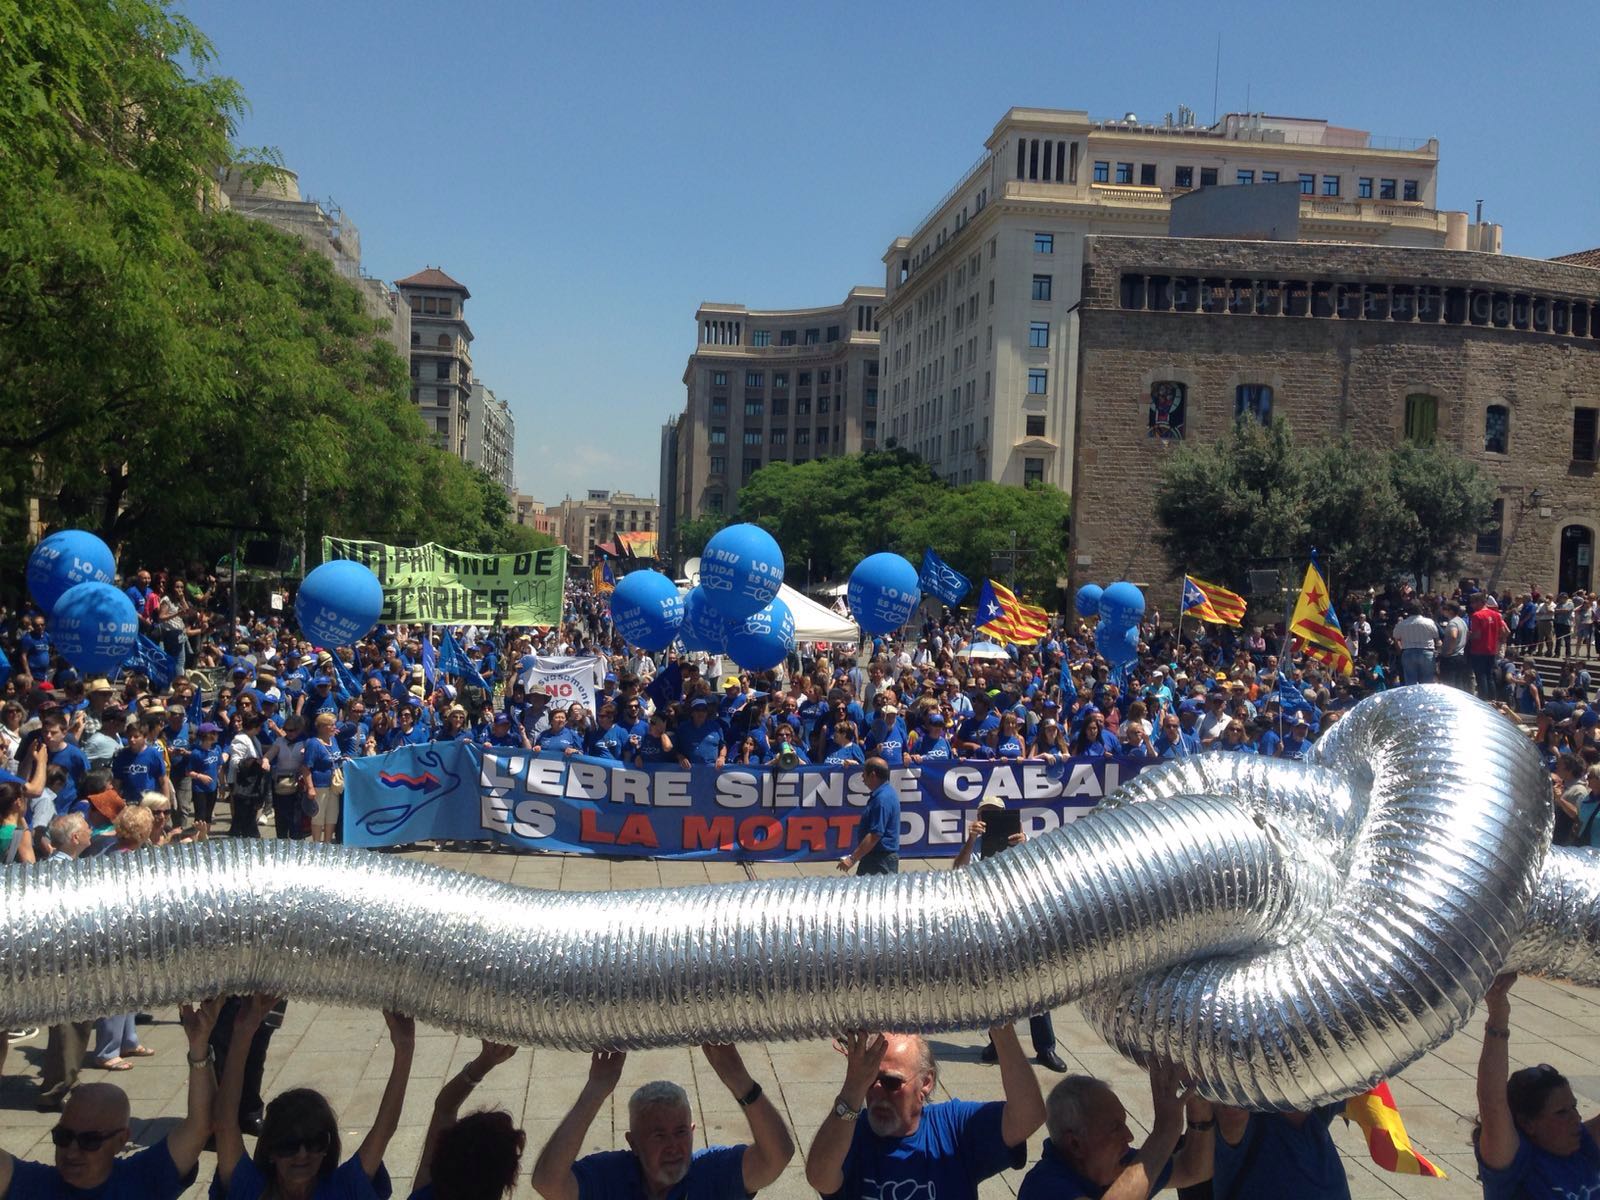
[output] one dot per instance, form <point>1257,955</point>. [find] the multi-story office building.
<point>441,355</point>
<point>491,436</point>
<point>525,510</point>
<point>325,228</point>
<point>600,517</point>
<point>779,385</point>
<point>978,324</point>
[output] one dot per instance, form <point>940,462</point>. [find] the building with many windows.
<point>979,316</point>
<point>1494,357</point>
<point>600,517</point>
<point>525,510</point>
<point>441,355</point>
<point>491,436</point>
<point>769,385</point>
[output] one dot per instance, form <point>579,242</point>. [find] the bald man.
<point>94,1128</point>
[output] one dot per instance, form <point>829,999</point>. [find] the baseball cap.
<point>209,727</point>
<point>935,718</point>
<point>610,678</point>
<point>1300,718</point>
<point>1189,706</point>
<point>991,802</point>
<point>699,702</point>
<point>502,718</point>
<point>732,681</point>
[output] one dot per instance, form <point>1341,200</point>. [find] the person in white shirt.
<point>1417,637</point>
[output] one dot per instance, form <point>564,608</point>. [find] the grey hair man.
<point>69,836</point>
<point>661,1158</point>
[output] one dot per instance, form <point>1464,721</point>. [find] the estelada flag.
<point>1387,1142</point>
<point>1003,617</point>
<point>1316,624</point>
<point>1212,602</point>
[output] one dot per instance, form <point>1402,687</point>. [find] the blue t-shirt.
<point>715,1173</point>
<point>36,650</point>
<point>147,1175</point>
<point>846,756</point>
<point>938,750</point>
<point>888,742</point>
<point>1538,1173</point>
<point>1009,749</point>
<point>348,1182</point>
<point>555,742</point>
<point>1052,1179</point>
<point>208,763</point>
<point>1301,1162</point>
<point>882,817</point>
<point>610,743</point>
<point>70,759</point>
<point>700,745</point>
<point>956,1146</point>
<point>321,760</point>
<point>137,773</point>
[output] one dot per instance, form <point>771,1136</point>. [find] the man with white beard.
<point>883,1138</point>
<point>661,1161</point>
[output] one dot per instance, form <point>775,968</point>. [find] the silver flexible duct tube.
<point>1288,932</point>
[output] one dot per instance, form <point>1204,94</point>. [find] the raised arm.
<point>825,1160</point>
<point>1497,1137</point>
<point>771,1146</point>
<point>1024,1108</point>
<point>225,1108</point>
<point>552,1174</point>
<point>1138,1178</point>
<point>188,1139</point>
<point>1194,1163</point>
<point>403,1036</point>
<point>450,1099</point>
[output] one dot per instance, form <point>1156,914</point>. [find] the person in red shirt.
<point>1486,634</point>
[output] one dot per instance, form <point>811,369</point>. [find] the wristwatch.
<point>842,1110</point>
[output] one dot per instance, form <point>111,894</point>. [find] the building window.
<point>761,337</point>
<point>787,337</point>
<point>780,406</point>
<point>1410,192</point>
<point>752,437</point>
<point>1041,288</point>
<point>824,376</point>
<point>1147,174</point>
<point>869,397</point>
<point>1584,433</point>
<point>718,436</point>
<point>1308,185</point>
<point>755,379</point>
<point>1330,185</point>
<point>752,408</point>
<point>1364,187</point>
<point>719,465</point>
<point>1245,177</point>
<point>443,396</point>
<point>1034,424</point>
<point>751,466</point>
<point>1183,177</point>
<point>1496,429</point>
<point>1253,401</point>
<point>813,336</point>
<point>441,370</point>
<point>1167,403</point>
<point>1489,535</point>
<point>1039,334</point>
<point>802,437</point>
<point>822,436</point>
<point>780,379</point>
<point>1269,177</point>
<point>1208,177</point>
<point>1032,471</point>
<point>1125,172</point>
<point>719,407</point>
<point>833,333</point>
<point>780,437</point>
<point>1038,381</point>
<point>1386,189</point>
<point>869,430</point>
<point>804,379</point>
<point>1044,243</point>
<point>719,379</point>
<point>714,502</point>
<point>1422,418</point>
<point>823,402</point>
<point>1102,172</point>
<point>802,406</point>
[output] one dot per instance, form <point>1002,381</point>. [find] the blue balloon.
<point>64,560</point>
<point>1117,646</point>
<point>703,628</point>
<point>647,610</point>
<point>1121,605</point>
<point>338,603</point>
<point>762,640</point>
<point>883,592</point>
<point>741,570</point>
<point>95,627</point>
<point>1087,601</point>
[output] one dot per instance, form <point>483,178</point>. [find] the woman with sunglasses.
<point>1530,1140</point>
<point>297,1154</point>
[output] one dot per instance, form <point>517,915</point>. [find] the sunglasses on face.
<point>311,1143</point>
<point>890,1083</point>
<point>62,1137</point>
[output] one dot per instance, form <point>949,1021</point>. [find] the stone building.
<point>600,517</point>
<point>1495,357</point>
<point>979,321</point>
<point>441,355</point>
<point>492,436</point>
<point>769,385</point>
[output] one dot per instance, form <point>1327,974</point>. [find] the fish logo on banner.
<point>938,578</point>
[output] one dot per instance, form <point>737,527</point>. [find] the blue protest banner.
<point>938,578</point>
<point>457,791</point>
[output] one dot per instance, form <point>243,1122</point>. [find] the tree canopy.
<point>176,370</point>
<point>1376,515</point>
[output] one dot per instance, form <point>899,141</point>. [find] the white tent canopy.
<point>813,622</point>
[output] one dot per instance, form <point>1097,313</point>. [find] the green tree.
<point>967,525</point>
<point>1448,501</point>
<point>692,535</point>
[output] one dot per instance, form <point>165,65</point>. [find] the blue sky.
<point>592,173</point>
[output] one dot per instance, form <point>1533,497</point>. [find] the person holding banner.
<point>661,1159</point>
<point>699,739</point>
<point>558,739</point>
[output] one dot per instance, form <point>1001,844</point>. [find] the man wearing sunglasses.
<point>883,1138</point>
<point>94,1128</point>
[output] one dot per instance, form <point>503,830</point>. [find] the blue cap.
<point>698,702</point>
<point>935,718</point>
<point>1190,706</point>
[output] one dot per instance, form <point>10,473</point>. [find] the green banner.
<point>437,586</point>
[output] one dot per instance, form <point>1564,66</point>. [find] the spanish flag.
<point>1316,624</point>
<point>1006,619</point>
<point>1212,602</point>
<point>1386,1136</point>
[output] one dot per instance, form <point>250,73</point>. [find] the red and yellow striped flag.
<point>1387,1142</point>
<point>1212,602</point>
<point>1317,625</point>
<point>1004,618</point>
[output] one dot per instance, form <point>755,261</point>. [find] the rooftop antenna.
<point>1216,78</point>
<point>1480,212</point>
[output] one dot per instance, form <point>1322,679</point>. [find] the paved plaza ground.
<point>345,1053</point>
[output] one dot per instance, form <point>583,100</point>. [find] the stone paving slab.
<point>345,1053</point>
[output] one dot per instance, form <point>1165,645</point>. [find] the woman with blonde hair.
<point>323,777</point>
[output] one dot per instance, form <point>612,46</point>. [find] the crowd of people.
<point>256,723</point>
